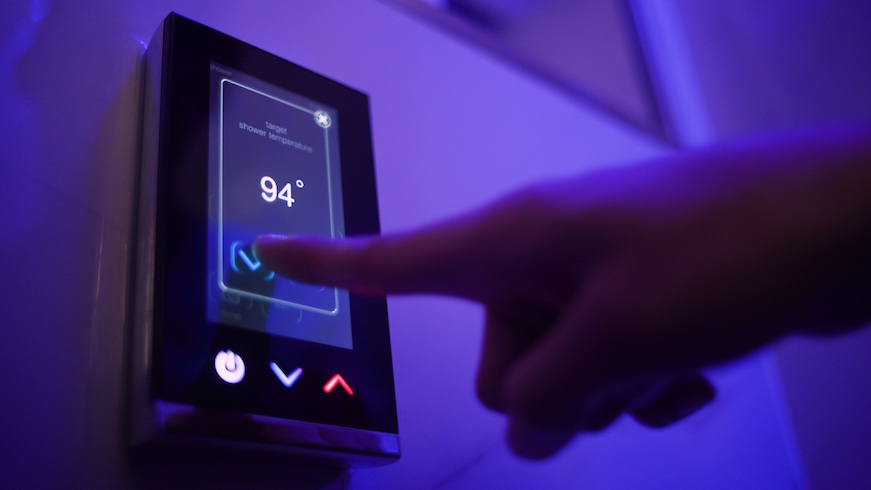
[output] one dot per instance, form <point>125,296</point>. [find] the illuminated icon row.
<point>231,369</point>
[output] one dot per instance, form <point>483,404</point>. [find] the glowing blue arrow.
<point>286,380</point>
<point>252,264</point>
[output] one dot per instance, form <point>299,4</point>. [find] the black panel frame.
<point>173,268</point>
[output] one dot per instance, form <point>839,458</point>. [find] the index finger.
<point>433,261</point>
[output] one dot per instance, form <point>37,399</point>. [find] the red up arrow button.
<point>337,380</point>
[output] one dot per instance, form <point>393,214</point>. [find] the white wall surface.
<point>453,129</point>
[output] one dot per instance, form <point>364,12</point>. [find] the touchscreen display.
<point>239,143</point>
<point>274,168</point>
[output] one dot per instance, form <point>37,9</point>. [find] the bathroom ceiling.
<point>588,49</point>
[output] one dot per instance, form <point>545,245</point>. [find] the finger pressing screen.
<point>422,262</point>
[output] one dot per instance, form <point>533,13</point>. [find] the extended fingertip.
<point>269,237</point>
<point>285,255</point>
<point>266,246</point>
<point>276,240</point>
<point>266,243</point>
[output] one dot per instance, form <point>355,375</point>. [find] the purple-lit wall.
<point>746,66</point>
<point>453,128</point>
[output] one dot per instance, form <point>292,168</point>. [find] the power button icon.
<point>229,366</point>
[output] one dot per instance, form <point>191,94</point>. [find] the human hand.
<point>622,284</point>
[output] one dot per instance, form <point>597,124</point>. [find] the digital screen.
<point>274,168</point>
<point>239,143</point>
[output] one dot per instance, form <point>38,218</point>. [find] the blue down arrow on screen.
<point>286,379</point>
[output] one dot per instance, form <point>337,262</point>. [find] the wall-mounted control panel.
<point>238,143</point>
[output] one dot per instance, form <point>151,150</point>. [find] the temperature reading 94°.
<point>271,193</point>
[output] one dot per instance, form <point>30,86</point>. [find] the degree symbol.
<point>300,183</point>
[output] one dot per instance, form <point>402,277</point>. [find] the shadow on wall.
<point>186,468</point>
